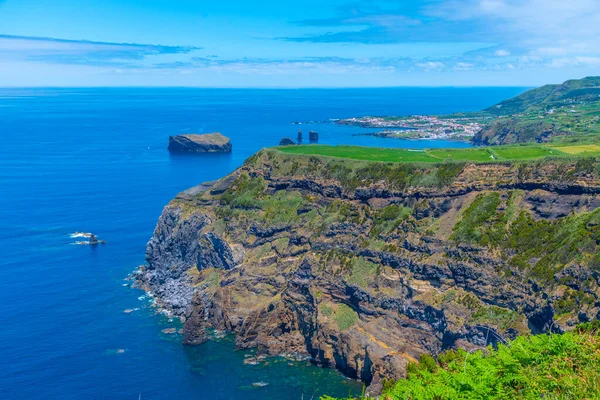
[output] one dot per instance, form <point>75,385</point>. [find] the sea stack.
<point>205,143</point>
<point>300,136</point>
<point>313,136</point>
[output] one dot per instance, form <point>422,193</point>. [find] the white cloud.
<point>431,66</point>
<point>542,27</point>
<point>461,66</point>
<point>63,51</point>
<point>574,62</point>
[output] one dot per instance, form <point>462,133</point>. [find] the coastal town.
<point>419,126</point>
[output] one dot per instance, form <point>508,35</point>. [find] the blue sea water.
<point>95,160</point>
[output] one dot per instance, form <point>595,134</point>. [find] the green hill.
<point>567,112</point>
<point>581,90</point>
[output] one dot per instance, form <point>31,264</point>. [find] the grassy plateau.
<point>476,154</point>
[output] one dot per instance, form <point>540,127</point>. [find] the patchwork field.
<point>486,154</point>
<point>587,149</point>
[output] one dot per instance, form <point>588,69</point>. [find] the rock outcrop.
<point>205,143</point>
<point>287,142</point>
<point>366,266</point>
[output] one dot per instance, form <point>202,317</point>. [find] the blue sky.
<point>300,43</point>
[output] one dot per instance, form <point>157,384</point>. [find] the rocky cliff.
<point>365,266</point>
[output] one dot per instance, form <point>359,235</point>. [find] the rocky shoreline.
<point>346,264</point>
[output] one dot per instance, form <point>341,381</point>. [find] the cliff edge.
<point>364,266</point>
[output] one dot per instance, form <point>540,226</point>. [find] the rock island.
<point>205,143</point>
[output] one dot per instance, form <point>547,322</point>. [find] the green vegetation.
<point>533,367</point>
<point>549,96</point>
<point>326,310</point>
<point>586,149</point>
<point>352,174</point>
<point>389,218</point>
<point>550,245</point>
<point>281,244</point>
<point>473,311</point>
<point>538,248</point>
<point>567,113</point>
<point>530,248</point>
<point>362,272</point>
<point>477,155</point>
<point>480,211</point>
<point>524,152</point>
<point>345,317</point>
<point>248,194</point>
<point>558,113</point>
<point>362,153</point>
<point>502,318</point>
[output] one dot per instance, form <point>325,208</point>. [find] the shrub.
<point>480,211</point>
<point>362,272</point>
<point>326,310</point>
<point>345,317</point>
<point>534,367</point>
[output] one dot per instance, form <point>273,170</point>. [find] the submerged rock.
<point>251,361</point>
<point>205,143</point>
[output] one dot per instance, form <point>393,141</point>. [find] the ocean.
<point>95,160</point>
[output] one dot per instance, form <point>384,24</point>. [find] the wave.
<point>80,235</point>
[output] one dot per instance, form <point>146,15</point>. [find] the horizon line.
<point>265,87</point>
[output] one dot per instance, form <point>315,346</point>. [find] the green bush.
<point>552,244</point>
<point>345,317</point>
<point>362,272</point>
<point>326,310</point>
<point>483,208</point>
<point>535,367</point>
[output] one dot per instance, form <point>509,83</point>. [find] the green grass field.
<point>487,154</point>
<point>586,149</point>
<point>361,153</point>
<point>524,152</point>
<point>477,154</point>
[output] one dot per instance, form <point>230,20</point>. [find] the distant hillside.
<point>586,89</point>
<point>542,114</point>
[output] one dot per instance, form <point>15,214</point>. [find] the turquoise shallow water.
<point>95,160</point>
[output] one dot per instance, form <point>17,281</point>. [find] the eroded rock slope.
<point>365,266</point>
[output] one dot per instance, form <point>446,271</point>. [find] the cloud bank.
<point>62,51</point>
<point>361,38</point>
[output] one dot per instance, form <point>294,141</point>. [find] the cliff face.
<point>365,266</point>
<point>511,130</point>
